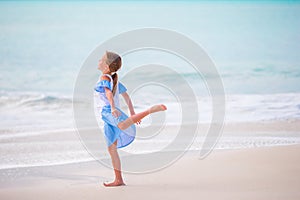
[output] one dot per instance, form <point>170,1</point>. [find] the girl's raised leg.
<point>137,117</point>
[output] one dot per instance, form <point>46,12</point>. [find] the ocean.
<point>43,45</point>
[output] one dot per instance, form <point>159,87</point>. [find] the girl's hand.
<point>115,113</point>
<point>138,122</point>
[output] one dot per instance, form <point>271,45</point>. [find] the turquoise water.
<point>43,44</point>
<point>255,47</point>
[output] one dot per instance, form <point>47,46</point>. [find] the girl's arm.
<point>110,98</point>
<point>129,104</point>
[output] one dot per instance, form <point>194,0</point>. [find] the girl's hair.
<point>114,63</point>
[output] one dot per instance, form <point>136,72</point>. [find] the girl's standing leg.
<point>117,166</point>
<point>113,148</point>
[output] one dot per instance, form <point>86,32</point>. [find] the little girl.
<point>119,129</point>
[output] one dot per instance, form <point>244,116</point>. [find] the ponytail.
<point>114,62</point>
<point>115,82</point>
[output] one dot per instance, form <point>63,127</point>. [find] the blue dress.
<point>103,109</point>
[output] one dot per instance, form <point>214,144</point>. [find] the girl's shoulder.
<point>105,77</point>
<point>104,82</point>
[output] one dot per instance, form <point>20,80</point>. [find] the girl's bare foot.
<point>113,184</point>
<point>157,108</point>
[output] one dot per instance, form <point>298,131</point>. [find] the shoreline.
<point>264,172</point>
<point>260,173</point>
<point>232,132</point>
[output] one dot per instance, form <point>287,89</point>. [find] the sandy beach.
<point>253,173</point>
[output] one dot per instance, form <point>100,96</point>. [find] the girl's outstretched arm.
<point>129,104</point>
<point>110,98</point>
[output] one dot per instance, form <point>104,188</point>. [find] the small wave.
<point>17,99</point>
<point>276,71</point>
<point>12,134</point>
<point>47,100</point>
<point>46,164</point>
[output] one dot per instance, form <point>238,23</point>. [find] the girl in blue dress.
<point>119,129</point>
